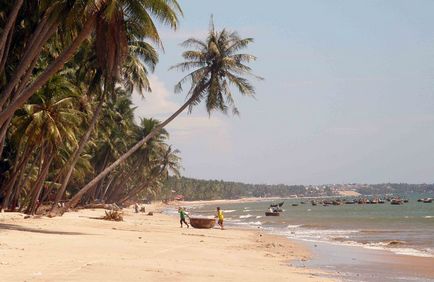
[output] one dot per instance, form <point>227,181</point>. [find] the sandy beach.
<point>80,247</point>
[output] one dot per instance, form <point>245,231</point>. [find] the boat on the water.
<point>396,202</point>
<point>427,200</point>
<point>272,213</point>
<point>202,223</point>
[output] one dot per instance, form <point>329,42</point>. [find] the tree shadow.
<point>15,227</point>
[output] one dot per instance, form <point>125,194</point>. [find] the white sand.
<point>77,247</point>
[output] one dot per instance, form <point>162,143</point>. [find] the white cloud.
<point>186,129</point>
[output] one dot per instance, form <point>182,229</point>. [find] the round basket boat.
<point>272,213</point>
<point>204,223</point>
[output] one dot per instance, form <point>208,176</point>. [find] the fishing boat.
<point>396,202</point>
<point>336,203</point>
<point>272,213</point>
<point>202,223</point>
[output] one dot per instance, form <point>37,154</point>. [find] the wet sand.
<point>351,263</point>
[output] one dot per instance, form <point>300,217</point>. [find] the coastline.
<point>80,247</point>
<point>352,262</point>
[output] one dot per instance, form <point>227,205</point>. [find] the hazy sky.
<point>348,94</point>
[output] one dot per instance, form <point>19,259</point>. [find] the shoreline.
<point>339,259</point>
<point>79,247</point>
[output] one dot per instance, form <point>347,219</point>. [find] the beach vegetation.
<point>68,69</point>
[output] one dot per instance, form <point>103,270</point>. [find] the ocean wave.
<point>246,210</point>
<point>258,216</point>
<point>246,216</point>
<point>229,211</point>
<point>251,223</point>
<point>413,252</point>
<point>343,238</point>
<point>428,216</point>
<point>293,226</point>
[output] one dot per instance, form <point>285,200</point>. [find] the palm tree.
<point>78,19</point>
<point>48,122</point>
<point>216,66</point>
<point>152,162</point>
<point>141,55</point>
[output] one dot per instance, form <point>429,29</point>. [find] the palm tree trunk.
<point>77,153</point>
<point>103,192</point>
<point>134,192</point>
<point>21,187</point>
<point>18,187</point>
<point>3,131</point>
<point>52,69</point>
<point>20,165</point>
<point>40,182</point>
<point>42,33</point>
<point>5,53</point>
<point>75,200</point>
<point>8,29</point>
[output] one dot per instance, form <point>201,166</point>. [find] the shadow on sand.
<point>5,226</point>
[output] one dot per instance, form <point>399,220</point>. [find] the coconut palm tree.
<point>216,65</point>
<point>141,56</point>
<point>48,122</point>
<point>74,21</point>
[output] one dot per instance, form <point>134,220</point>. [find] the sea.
<point>406,229</point>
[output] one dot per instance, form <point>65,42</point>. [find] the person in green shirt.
<point>182,215</point>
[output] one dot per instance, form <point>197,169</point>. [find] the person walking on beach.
<point>220,217</point>
<point>182,215</point>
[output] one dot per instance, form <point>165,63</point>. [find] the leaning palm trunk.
<point>76,199</point>
<point>33,205</point>
<point>135,191</point>
<point>20,167</point>
<point>53,68</point>
<point>77,153</point>
<point>3,131</point>
<point>6,36</point>
<point>45,29</point>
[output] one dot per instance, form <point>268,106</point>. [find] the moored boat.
<point>396,202</point>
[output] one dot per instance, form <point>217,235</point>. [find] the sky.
<point>348,94</point>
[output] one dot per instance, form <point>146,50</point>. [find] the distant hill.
<point>198,189</point>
